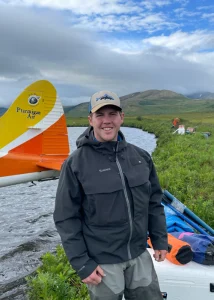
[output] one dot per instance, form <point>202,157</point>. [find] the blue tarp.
<point>174,223</point>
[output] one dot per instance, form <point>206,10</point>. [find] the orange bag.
<point>179,253</point>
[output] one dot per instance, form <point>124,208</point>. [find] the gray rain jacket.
<point>108,197</point>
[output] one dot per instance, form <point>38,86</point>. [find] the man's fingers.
<point>163,254</point>
<point>94,278</point>
<point>92,281</point>
<point>100,271</point>
<point>160,255</point>
<point>156,256</point>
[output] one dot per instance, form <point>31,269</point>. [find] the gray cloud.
<point>79,62</point>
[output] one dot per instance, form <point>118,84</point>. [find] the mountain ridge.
<point>201,95</point>
<point>148,102</point>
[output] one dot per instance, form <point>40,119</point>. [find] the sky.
<point>83,46</point>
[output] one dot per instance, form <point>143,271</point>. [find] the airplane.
<point>33,136</point>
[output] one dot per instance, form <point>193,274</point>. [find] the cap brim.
<point>103,104</point>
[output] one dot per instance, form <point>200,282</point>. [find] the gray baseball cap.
<point>103,98</point>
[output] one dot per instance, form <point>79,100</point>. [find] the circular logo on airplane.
<point>33,100</point>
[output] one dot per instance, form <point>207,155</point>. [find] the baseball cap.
<point>103,98</point>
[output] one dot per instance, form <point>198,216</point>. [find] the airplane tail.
<point>35,124</point>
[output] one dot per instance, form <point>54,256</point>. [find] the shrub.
<point>139,118</point>
<point>56,280</point>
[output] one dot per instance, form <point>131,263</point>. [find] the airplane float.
<point>33,136</point>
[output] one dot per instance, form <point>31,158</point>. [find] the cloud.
<point>210,17</point>
<point>67,101</point>
<point>207,7</point>
<point>182,12</point>
<point>151,4</point>
<point>80,61</point>
<point>112,15</point>
<point>181,42</point>
<point>83,7</point>
<point>146,22</point>
<point>182,2</point>
<point>2,102</point>
<point>106,15</point>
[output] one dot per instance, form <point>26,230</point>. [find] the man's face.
<point>106,123</point>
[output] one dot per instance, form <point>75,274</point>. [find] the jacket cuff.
<point>160,245</point>
<point>87,269</point>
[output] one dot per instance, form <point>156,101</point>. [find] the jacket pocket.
<point>104,203</point>
<point>141,197</point>
<point>140,187</point>
<point>106,209</point>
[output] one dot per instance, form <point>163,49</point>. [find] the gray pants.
<point>135,279</point>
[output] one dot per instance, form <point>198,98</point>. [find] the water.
<point>26,224</point>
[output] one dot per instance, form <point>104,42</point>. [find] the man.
<point>108,198</point>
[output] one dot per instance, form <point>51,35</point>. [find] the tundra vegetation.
<point>185,166</point>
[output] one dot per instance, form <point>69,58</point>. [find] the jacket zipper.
<point>127,202</point>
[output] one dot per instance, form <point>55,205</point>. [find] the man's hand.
<point>160,255</point>
<point>95,277</point>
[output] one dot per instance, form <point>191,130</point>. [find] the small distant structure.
<point>206,134</point>
<point>175,122</point>
<point>180,130</point>
<point>190,130</point>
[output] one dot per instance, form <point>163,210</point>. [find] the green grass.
<point>185,163</point>
<point>77,122</point>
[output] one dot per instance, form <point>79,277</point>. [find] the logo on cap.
<point>105,97</point>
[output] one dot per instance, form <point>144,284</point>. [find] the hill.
<point>152,102</point>
<point>153,94</point>
<point>202,95</point>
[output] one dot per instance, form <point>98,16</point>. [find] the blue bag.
<point>202,246</point>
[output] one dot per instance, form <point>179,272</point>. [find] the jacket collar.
<point>87,139</point>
